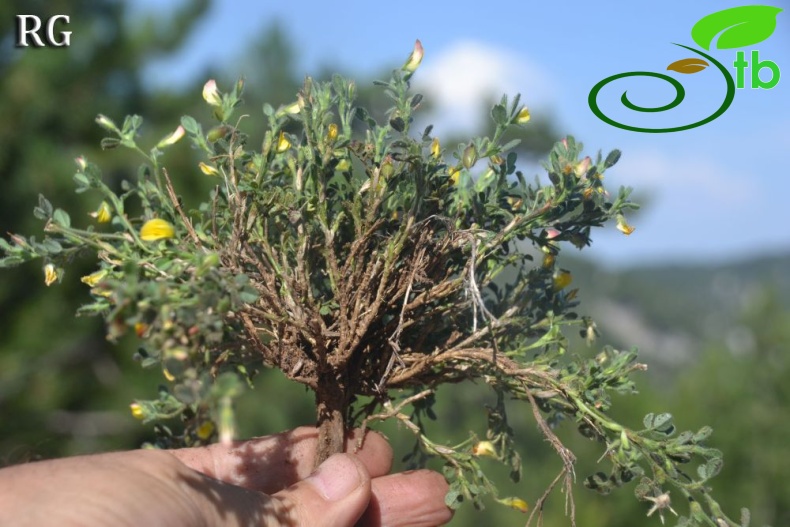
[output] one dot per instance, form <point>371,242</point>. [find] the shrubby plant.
<point>369,263</point>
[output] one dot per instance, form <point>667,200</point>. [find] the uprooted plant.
<point>372,266</point>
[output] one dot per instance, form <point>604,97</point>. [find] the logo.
<point>736,27</point>
<point>28,26</point>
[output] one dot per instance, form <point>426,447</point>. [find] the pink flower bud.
<point>211,93</point>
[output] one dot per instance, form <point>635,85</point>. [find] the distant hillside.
<point>669,312</point>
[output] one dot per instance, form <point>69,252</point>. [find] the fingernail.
<point>336,478</point>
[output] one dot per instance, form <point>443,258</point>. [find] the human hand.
<point>267,481</point>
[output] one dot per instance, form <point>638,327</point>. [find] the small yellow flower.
<point>140,329</point>
<point>562,279</point>
<point>343,165</point>
<point>331,133</point>
<point>623,227</point>
<point>169,376</point>
<point>455,174</point>
<point>283,143</point>
<point>137,411</point>
<point>94,278</point>
<point>208,169</point>
<point>436,148</point>
<point>172,139</point>
<point>103,214</point>
<point>484,448</point>
<point>156,229</point>
<point>413,62</point>
<point>205,430</point>
<point>548,260</point>
<point>50,274</point>
<point>515,503</point>
<point>523,116</point>
<point>211,93</point>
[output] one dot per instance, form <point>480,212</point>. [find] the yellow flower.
<point>413,62</point>
<point>623,227</point>
<point>523,116</point>
<point>484,448</point>
<point>562,279</point>
<point>103,214</point>
<point>137,411</point>
<point>455,174</point>
<point>50,274</point>
<point>172,139</point>
<point>211,93</point>
<point>436,148</point>
<point>156,229</point>
<point>169,376</point>
<point>205,430</point>
<point>283,143</point>
<point>343,165</point>
<point>515,503</point>
<point>208,169</point>
<point>94,278</point>
<point>548,260</point>
<point>331,132</point>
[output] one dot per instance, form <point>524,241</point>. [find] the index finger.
<point>272,463</point>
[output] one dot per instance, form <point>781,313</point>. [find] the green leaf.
<point>190,125</point>
<point>499,114</point>
<point>612,159</point>
<point>737,27</point>
<point>11,261</point>
<point>62,218</point>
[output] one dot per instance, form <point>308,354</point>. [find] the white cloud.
<point>697,178</point>
<point>465,75</point>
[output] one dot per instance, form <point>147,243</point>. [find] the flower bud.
<point>469,157</point>
<point>137,411</point>
<point>106,123</point>
<point>50,274</point>
<point>211,93</point>
<point>562,279</point>
<point>103,214</point>
<point>455,174</point>
<point>436,148</point>
<point>283,144</point>
<point>331,132</point>
<point>205,430</point>
<point>208,169</point>
<point>413,62</point>
<point>523,116</point>
<point>515,503</point>
<point>172,139</point>
<point>484,448</point>
<point>623,227</point>
<point>156,229</point>
<point>582,166</point>
<point>94,278</point>
<point>81,162</point>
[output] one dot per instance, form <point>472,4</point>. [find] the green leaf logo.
<point>738,26</point>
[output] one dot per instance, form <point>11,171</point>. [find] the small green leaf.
<point>499,114</point>
<point>62,218</point>
<point>737,27</point>
<point>612,159</point>
<point>190,125</point>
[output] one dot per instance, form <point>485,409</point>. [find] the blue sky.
<point>717,192</point>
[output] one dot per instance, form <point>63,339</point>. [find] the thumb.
<point>335,495</point>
